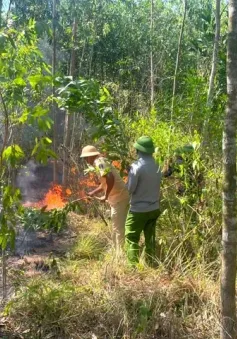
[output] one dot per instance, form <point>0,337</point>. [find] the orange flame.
<point>53,199</point>
<point>88,181</point>
<point>118,166</point>
<point>68,191</point>
<point>57,197</point>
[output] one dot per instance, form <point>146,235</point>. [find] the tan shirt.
<point>119,191</point>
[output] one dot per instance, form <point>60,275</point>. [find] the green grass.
<point>96,293</point>
<point>89,247</point>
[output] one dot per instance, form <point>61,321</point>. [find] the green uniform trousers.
<point>136,223</point>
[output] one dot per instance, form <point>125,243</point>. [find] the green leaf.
<point>12,154</point>
<point>39,111</point>
<point>39,79</point>
<point>19,81</point>
<point>47,140</point>
<point>41,150</point>
<point>24,117</point>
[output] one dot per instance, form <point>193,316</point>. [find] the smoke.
<point>26,180</point>
<point>34,180</point>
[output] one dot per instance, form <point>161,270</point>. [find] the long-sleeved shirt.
<point>119,191</point>
<point>144,184</point>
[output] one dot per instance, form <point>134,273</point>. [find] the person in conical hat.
<point>115,191</point>
<point>144,187</point>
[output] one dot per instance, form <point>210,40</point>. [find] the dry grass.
<point>96,295</point>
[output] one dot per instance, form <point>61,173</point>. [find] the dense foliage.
<point>113,41</point>
<point>102,90</point>
<point>83,72</point>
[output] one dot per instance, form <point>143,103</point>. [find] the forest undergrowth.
<point>92,293</point>
<point>105,73</point>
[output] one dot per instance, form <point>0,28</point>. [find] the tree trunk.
<point>151,55</point>
<point>214,65</point>
<point>4,144</point>
<point>177,61</point>
<point>229,230</point>
<point>9,10</point>
<point>68,116</point>
<point>1,2</point>
<point>54,109</point>
<point>4,276</point>
<point>215,58</point>
<point>6,128</point>
<point>73,53</point>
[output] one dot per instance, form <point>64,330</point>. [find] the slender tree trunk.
<point>229,230</point>
<point>9,10</point>
<point>90,60</point>
<point>4,276</point>
<point>4,144</point>
<point>73,53</point>
<point>54,109</point>
<point>72,141</point>
<point>151,54</point>
<point>68,116</point>
<point>6,128</point>
<point>211,88</point>
<point>177,60</point>
<point>82,57</point>
<point>215,58</point>
<point>0,13</point>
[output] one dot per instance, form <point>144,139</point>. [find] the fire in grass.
<point>54,198</point>
<point>58,197</point>
<point>123,172</point>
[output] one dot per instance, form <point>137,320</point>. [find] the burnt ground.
<point>32,256</point>
<point>33,251</point>
<point>34,181</point>
<point>34,248</point>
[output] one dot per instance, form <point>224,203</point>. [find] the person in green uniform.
<point>144,187</point>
